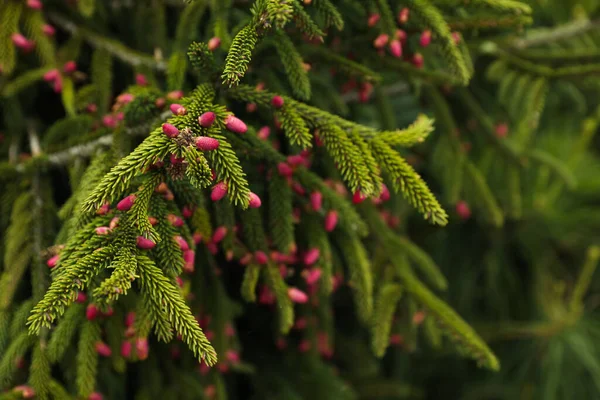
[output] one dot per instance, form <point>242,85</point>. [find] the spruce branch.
<point>435,21</point>
<point>385,305</point>
<point>164,295</point>
<point>87,358</point>
<point>239,56</point>
<point>285,306</point>
<point>293,65</point>
<point>406,180</point>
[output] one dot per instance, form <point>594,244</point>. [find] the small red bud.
<point>235,125</point>
<point>403,15</point>
<point>425,38</point>
<point>331,220</point>
<point>141,80</point>
<point>380,41</point>
<point>284,170</point>
<point>183,244</point>
<point>207,119</point>
<point>316,201</point>
<point>70,67</point>
<point>463,210</point>
<point>218,191</point>
<point>396,48</point>
<point>205,143</point>
<point>51,75</point>
<point>264,133</point>
<point>177,109</point>
<point>48,30</point>
<point>311,256</point>
<point>34,4</point>
<point>126,203</point>
<point>214,43</point>
<point>52,261</point>
<point>219,234</point>
<point>91,312</point>
<point>373,19</point>
<point>255,201</point>
<point>145,243</point>
<point>261,257</point>
<point>297,295</point>
<point>277,101</point>
<point>170,130</point>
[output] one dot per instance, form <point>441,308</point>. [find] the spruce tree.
<point>299,199</point>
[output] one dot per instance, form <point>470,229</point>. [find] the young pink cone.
<point>20,41</point>
<point>261,257</point>
<point>218,191</point>
<point>501,130</point>
<point>183,244</point>
<point>418,60</point>
<point>207,119</point>
<point>102,230</point>
<point>235,125</point>
<point>311,256</point>
<point>95,396</point>
<point>52,261</point>
<point>34,4</point>
<point>170,130</point>
<point>187,211</point>
<point>264,133</point>
<point>403,15</point>
<point>126,203</point>
<point>380,41</point>
<point>297,295</point>
<point>255,201</point>
<point>177,109</point>
<point>141,348</point>
<point>145,243</point>
<point>425,38</point>
<point>266,296</point>
<point>385,193</point>
<point>219,234</point>
<point>103,349</point>
<point>456,37</point>
<point>214,43</point>
<point>205,143</point>
<point>141,80</point>
<point>129,319</point>
<point>91,312</point>
<point>331,220</point>
<point>312,276</point>
<point>358,197</point>
<point>233,356</point>
<point>175,95</point>
<point>189,258</point>
<point>81,298</point>
<point>396,48</point>
<point>316,201</point>
<point>70,67</point>
<point>285,170</point>
<point>126,348</point>
<point>48,30</point>
<point>277,101</point>
<point>51,75</point>
<point>26,392</point>
<point>175,220</point>
<point>176,160</point>
<point>463,210</point>
<point>114,223</point>
<point>373,19</point>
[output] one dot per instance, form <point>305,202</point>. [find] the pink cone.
<point>189,258</point>
<point>285,170</point>
<point>26,392</point>
<point>297,295</point>
<point>261,257</point>
<point>380,41</point>
<point>311,256</point>
<point>218,191</point>
<point>170,130</point>
<point>103,350</point>
<point>70,67</point>
<point>126,203</point>
<point>463,210</point>
<point>34,4</point>
<point>175,95</point>
<point>316,201</point>
<point>312,276</point>
<point>277,101</point>
<point>214,43</point>
<point>51,75</point>
<point>205,143</point>
<point>130,319</point>
<point>48,30</point>
<point>175,220</point>
<point>95,396</point>
<point>20,41</point>
<point>126,349</point>
<point>396,48</point>
<point>255,201</point>
<point>81,298</point>
<point>219,234</point>
<point>264,133</point>
<point>385,193</point>
<point>418,60</point>
<point>141,80</point>
<point>207,119</point>
<point>102,230</point>
<point>177,109</point>
<point>235,125</point>
<point>358,197</point>
<point>403,15</point>
<point>141,348</point>
<point>91,312</point>
<point>331,220</point>
<point>52,261</point>
<point>425,38</point>
<point>373,19</point>
<point>145,243</point>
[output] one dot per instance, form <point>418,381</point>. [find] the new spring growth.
<point>205,143</point>
<point>126,203</point>
<point>207,119</point>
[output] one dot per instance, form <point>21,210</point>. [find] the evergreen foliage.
<point>286,199</point>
